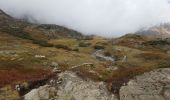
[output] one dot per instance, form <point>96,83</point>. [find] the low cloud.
<point>100,17</point>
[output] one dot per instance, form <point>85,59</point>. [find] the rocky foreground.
<point>71,87</point>
<point>154,85</point>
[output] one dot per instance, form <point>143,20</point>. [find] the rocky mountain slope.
<point>29,30</point>
<point>161,31</point>
<point>37,59</point>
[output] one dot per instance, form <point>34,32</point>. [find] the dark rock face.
<point>1,11</point>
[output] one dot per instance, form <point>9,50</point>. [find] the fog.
<point>107,18</point>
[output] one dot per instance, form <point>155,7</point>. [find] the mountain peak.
<point>1,12</point>
<point>160,31</point>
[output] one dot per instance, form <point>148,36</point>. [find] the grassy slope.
<point>19,57</point>
<point>136,57</point>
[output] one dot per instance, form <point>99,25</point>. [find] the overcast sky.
<point>101,17</point>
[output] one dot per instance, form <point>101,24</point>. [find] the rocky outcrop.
<point>1,12</point>
<point>55,31</point>
<point>159,31</point>
<point>42,93</point>
<point>71,87</point>
<point>153,85</point>
<point>99,54</point>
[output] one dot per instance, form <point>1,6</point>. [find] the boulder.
<point>40,56</point>
<point>42,93</point>
<point>75,88</point>
<point>154,85</point>
<point>71,87</point>
<point>100,56</point>
<point>54,64</point>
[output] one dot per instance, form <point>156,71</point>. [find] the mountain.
<point>161,31</point>
<point>45,31</point>
<point>3,14</point>
<point>49,59</point>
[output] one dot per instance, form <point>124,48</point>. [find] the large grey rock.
<point>153,85</point>
<point>75,88</point>
<point>42,93</point>
<point>100,56</point>
<point>72,87</point>
<point>54,64</point>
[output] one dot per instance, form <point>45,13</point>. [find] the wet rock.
<point>149,86</point>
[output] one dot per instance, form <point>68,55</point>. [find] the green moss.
<point>99,47</point>
<point>106,75</point>
<point>164,64</point>
<point>42,43</point>
<point>84,44</point>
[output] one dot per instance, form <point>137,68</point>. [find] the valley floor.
<point>108,66</point>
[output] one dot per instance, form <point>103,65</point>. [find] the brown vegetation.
<point>153,56</point>
<point>26,75</point>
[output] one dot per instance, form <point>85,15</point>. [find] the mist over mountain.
<point>45,49</point>
<point>100,17</point>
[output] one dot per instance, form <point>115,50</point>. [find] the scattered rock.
<point>40,56</point>
<point>54,64</point>
<point>125,58</point>
<point>100,56</point>
<point>12,59</point>
<point>20,59</point>
<point>56,70</point>
<point>94,72</point>
<point>17,87</point>
<point>112,68</point>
